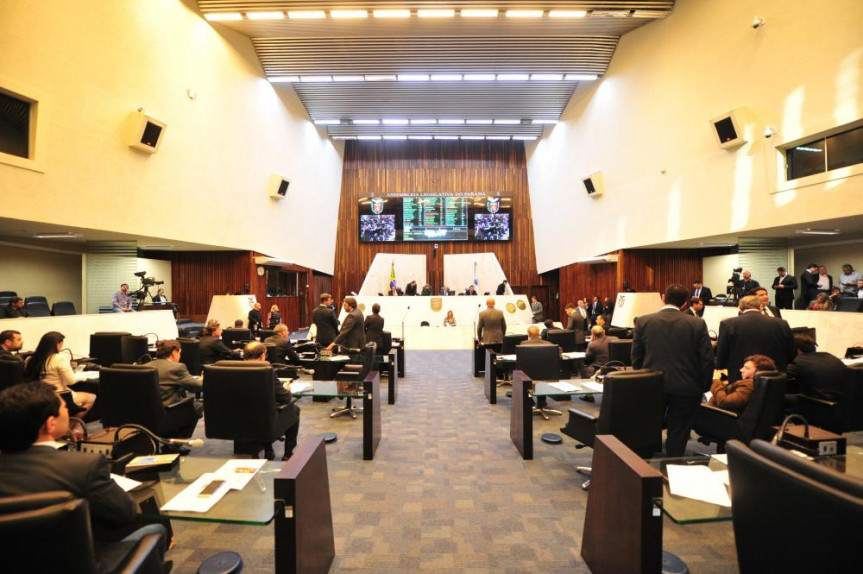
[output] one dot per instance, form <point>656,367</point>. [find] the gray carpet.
<point>447,491</point>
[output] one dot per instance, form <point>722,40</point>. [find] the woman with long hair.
<point>48,365</point>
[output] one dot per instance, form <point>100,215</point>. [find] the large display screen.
<point>436,217</point>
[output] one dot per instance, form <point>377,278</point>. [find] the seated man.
<point>174,381</point>
<point>14,310</point>
<point>735,396</point>
<point>255,351</point>
<point>818,374</point>
<point>10,344</point>
<point>285,353</point>
<point>597,351</point>
<point>211,347</point>
<point>32,417</point>
<point>121,302</point>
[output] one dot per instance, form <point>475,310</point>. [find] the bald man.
<point>491,326</point>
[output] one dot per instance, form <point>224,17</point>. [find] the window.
<point>282,283</point>
<point>14,125</point>
<point>820,155</point>
<point>23,126</point>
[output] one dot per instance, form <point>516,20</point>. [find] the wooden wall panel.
<point>433,166</point>
<point>580,280</point>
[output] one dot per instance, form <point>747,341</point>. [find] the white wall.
<point>54,274</point>
<point>645,124</point>
<point>96,62</point>
<point>407,268</point>
<point>717,271</point>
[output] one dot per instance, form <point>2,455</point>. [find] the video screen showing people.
<point>377,228</point>
<point>491,227</point>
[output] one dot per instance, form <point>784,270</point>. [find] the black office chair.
<point>11,372</point>
<point>106,347</point>
<point>35,299</point>
<point>386,343</point>
<point>631,409</point>
<point>843,415</point>
<point>563,338</point>
<point>130,394</point>
<point>240,405</point>
<point>4,301</point>
<point>849,304</point>
<point>134,349</point>
<point>63,308</point>
<point>8,294</point>
<point>28,521</point>
<point>236,338</point>
<point>777,509</point>
<point>352,376</point>
<point>510,342</point>
<point>265,333</point>
<point>38,309</point>
<point>540,363</point>
<point>818,472</point>
<point>620,351</point>
<point>190,356</point>
<point>764,409</point>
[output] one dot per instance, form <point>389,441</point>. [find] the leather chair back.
<point>190,355</point>
<point>35,299</point>
<point>8,294</point>
<point>620,351</point>
<point>510,342</point>
<point>130,394</point>
<point>38,309</point>
<point>819,472</point>
<point>28,521</point>
<point>107,348</point>
<point>632,409</point>
<point>11,373</point>
<point>765,407</point>
<point>232,337</point>
<point>265,333</point>
<point>775,506</point>
<point>63,308</point>
<point>133,349</point>
<point>539,362</point>
<point>239,402</point>
<point>563,338</point>
<point>386,343</point>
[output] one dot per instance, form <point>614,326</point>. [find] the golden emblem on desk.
<point>436,303</point>
<point>520,304</point>
<point>362,307</point>
<point>510,307</point>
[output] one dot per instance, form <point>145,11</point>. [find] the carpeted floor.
<point>447,491</point>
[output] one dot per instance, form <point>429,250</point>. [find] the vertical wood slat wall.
<point>432,166</point>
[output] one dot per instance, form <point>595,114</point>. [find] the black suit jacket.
<point>578,324</point>
<point>808,286</point>
<point>85,475</point>
<point>284,353</point>
<point>775,310</point>
<point>374,328</point>
<point>749,334</point>
<point>820,375</point>
<point>706,294</point>
<point>352,334</point>
<point>785,297</point>
<point>326,324</point>
<point>212,349</point>
<point>678,345</point>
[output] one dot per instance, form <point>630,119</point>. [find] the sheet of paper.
<point>565,387</point>
<point>126,484</point>
<point>301,386</point>
<point>340,358</point>
<point>574,355</point>
<point>238,472</point>
<point>592,386</point>
<point>698,482</point>
<point>723,458</point>
<point>189,501</point>
<point>506,357</point>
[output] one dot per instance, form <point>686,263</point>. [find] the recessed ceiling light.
<point>224,17</point>
<point>283,79</point>
<point>348,78</point>
<point>524,13</point>
<point>473,137</point>
<point>344,137</point>
<point>419,137</point>
<point>450,122</point>
<point>512,77</point>
<point>437,13</point>
<point>446,77</point>
<point>348,14</point>
<point>497,137</point>
<point>423,122</point>
<point>265,15</point>
<point>380,77</point>
<point>479,77</point>
<point>478,13</point>
<point>581,77</point>
<point>810,231</point>
<point>327,122</point>
<point>479,122</point>
<point>368,137</point>
<point>395,122</point>
<point>395,137</point>
<point>413,77</point>
<point>366,122</point>
<point>546,77</point>
<point>507,122</point>
<point>56,235</point>
<point>524,138</point>
<point>391,13</point>
<point>305,79</point>
<point>567,13</point>
<point>446,137</point>
<point>307,15</point>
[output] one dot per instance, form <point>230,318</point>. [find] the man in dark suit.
<point>696,307</point>
<point>820,375</point>
<point>766,308</point>
<point>32,417</point>
<point>699,290</point>
<point>352,335</point>
<point>10,344</point>
<point>325,321</point>
<point>284,353</point>
<point>491,325</point>
<point>595,310</point>
<point>14,310</point>
<point>374,327</point>
<point>256,351</point>
<point>752,333</point>
<point>578,321</point>
<point>211,348</point>
<point>808,286</point>
<point>174,381</point>
<point>597,351</point>
<point>678,345</point>
<point>784,285</point>
<point>501,289</point>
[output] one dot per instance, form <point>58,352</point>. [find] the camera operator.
<point>122,302</point>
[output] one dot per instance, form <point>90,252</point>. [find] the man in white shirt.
<point>848,281</point>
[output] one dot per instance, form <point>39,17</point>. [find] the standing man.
<point>766,308</point>
<point>747,284</point>
<point>352,335</point>
<point>577,321</point>
<point>751,333</point>
<point>825,282</point>
<point>699,290</point>
<point>784,285</point>
<point>10,345</point>
<point>848,281</point>
<point>808,286</point>
<point>14,310</point>
<point>678,345</point>
<point>595,310</point>
<point>501,289</point>
<point>536,309</point>
<point>325,321</point>
<point>255,319</point>
<point>122,302</point>
<point>374,327</point>
<point>491,325</point>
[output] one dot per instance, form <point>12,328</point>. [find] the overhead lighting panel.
<point>395,122</point>
<point>479,77</point>
<point>581,77</point>
<point>368,137</point>
<point>479,122</point>
<point>420,137</point>
<point>348,14</point>
<point>224,17</point>
<point>307,15</point>
<point>391,13</point>
<point>423,122</point>
<point>437,13</point>
<point>479,13</point>
<point>348,78</point>
<point>567,13</point>
<point>395,137</point>
<point>366,122</point>
<point>283,79</point>
<point>507,122</point>
<point>513,77</point>
<point>524,13</point>
<point>309,79</point>
<point>546,77</point>
<point>327,122</point>
<point>446,77</point>
<point>451,122</point>
<point>413,77</point>
<point>265,15</point>
<point>380,77</point>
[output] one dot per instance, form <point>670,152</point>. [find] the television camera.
<point>733,287</point>
<point>144,290</point>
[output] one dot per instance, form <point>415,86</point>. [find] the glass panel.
<point>546,390</point>
<point>332,389</point>
<point>845,149</point>
<point>684,510</point>
<point>253,505</point>
<point>805,159</point>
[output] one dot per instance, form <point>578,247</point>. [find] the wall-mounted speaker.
<point>594,184</point>
<point>278,186</point>
<point>146,132</point>
<point>728,129</point>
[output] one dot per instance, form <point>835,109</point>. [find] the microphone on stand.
<point>403,319</point>
<point>189,442</point>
